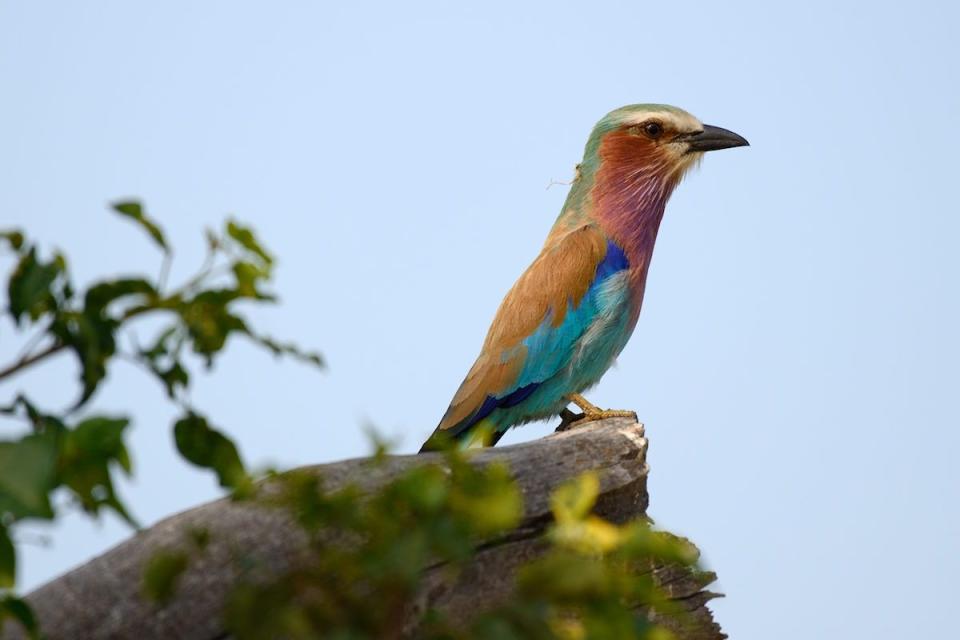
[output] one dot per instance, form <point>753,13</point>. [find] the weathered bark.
<point>103,598</point>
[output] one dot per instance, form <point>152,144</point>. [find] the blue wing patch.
<point>549,348</point>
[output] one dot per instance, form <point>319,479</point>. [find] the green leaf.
<point>566,577</point>
<point>27,476</point>
<point>134,210</point>
<point>173,377</point>
<point>245,237</point>
<point>573,499</point>
<point>31,287</point>
<point>162,573</point>
<point>591,535</point>
<point>208,448</point>
<point>88,452</point>
<point>640,541</point>
<point>209,321</point>
<point>101,437</point>
<point>14,238</point>
<point>102,294</point>
<point>163,360</point>
<point>489,500</point>
<point>8,560</point>
<point>249,276</point>
<point>424,489</point>
<point>91,337</point>
<point>161,346</point>
<point>14,608</point>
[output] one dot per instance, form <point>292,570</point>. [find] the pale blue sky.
<point>796,362</point>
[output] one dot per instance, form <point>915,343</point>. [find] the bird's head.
<point>635,157</point>
<point>647,140</point>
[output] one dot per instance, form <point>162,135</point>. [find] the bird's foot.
<point>591,413</point>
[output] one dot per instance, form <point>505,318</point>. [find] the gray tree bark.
<point>104,599</point>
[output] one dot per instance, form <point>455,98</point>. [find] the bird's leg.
<point>592,412</point>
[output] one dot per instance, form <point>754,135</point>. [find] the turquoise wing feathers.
<point>567,308</point>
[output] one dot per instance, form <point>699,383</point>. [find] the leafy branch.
<point>82,456</point>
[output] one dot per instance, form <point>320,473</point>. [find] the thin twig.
<point>25,362</point>
<point>32,343</point>
<point>204,271</point>
<point>164,271</point>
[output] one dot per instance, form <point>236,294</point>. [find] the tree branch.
<point>103,598</point>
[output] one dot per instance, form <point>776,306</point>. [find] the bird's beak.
<point>714,138</point>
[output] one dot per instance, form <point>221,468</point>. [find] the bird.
<point>569,315</point>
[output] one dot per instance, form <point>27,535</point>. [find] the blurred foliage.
<point>64,453</point>
<point>369,554</point>
<point>369,551</point>
<point>164,569</point>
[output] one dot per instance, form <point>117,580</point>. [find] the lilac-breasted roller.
<point>570,314</point>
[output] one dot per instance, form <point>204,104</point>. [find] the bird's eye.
<point>653,130</point>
